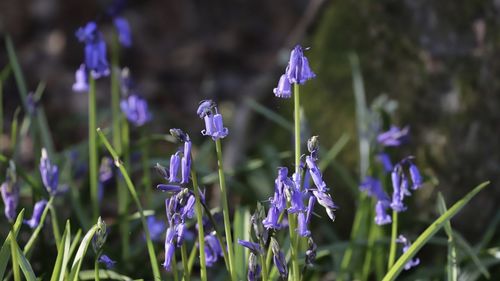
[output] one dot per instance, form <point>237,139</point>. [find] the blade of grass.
<point>23,262</point>
<point>5,250</point>
<point>451,266</point>
<point>269,114</point>
<point>131,188</point>
<point>462,243</point>
<point>62,255</point>
<point>80,254</point>
<point>333,151</point>
<point>429,233</point>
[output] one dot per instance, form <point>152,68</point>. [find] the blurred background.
<point>435,63</point>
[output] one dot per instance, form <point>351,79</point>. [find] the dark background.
<point>439,60</point>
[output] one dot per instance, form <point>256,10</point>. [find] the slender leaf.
<point>104,274</point>
<point>429,233</point>
<point>462,243</point>
<point>80,254</point>
<point>23,262</point>
<point>5,250</point>
<point>62,255</point>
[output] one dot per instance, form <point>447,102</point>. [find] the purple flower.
<point>284,89</point>
<point>174,168</point>
<point>188,209</point>
<point>385,160</point>
<point>416,178</point>
<point>186,162</point>
<point>271,221</point>
<point>109,263</point>
<point>381,216</point>
<point>393,137</point>
<point>302,225</point>
<point>37,214</point>
<point>81,81</point>
<point>298,70</point>
<point>279,259</point>
<point>406,245</point>
<point>169,247</point>
<point>316,174</point>
<point>398,192</point>
<point>252,246</point>
<point>214,126</point>
<point>136,110</point>
<point>253,268</point>
<point>325,200</point>
<point>181,232</point>
<point>123,29</point>
<point>373,188</point>
<point>10,196</point>
<point>169,188</point>
<point>311,252</point>
<point>156,228</point>
<point>213,249</point>
<point>49,173</point>
<point>95,50</point>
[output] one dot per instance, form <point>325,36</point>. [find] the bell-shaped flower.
<point>298,70</point>
<point>284,88</point>
<point>136,110</point>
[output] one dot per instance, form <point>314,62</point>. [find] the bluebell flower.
<point>37,214</point>
<point>252,246</point>
<point>381,216</point>
<point>302,225</point>
<point>124,34</point>
<point>373,188</point>
<point>271,221</point>
<point>395,136</point>
<point>169,188</point>
<point>385,160</point>
<point>214,126</point>
<point>254,268</point>
<point>136,110</point>
<point>325,200</point>
<point>213,249</point>
<point>186,162</point>
<point>416,178</point>
<point>49,173</point>
<point>156,228</point>
<point>10,196</point>
<point>398,192</point>
<point>188,209</point>
<point>81,80</point>
<point>174,168</point>
<point>180,233</point>
<point>298,70</point>
<point>95,50</point>
<point>169,247</point>
<point>311,252</point>
<point>315,174</point>
<point>406,245</point>
<point>107,261</point>
<point>279,259</point>
<point>284,88</point>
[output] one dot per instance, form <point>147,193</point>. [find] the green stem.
<point>36,232</point>
<point>217,234</point>
<point>185,258</point>
<point>225,210</point>
<point>291,218</point>
<point>174,268</point>
<point>367,266</point>
<point>133,193</point>
<point>264,266</point>
<point>93,149</point>
<point>199,220</point>
<point>55,225</point>
<point>123,196</point>
<point>96,268</point>
<point>394,233</point>
<point>1,107</point>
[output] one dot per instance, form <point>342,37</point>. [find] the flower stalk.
<point>93,165</point>
<point>394,234</point>
<point>199,220</point>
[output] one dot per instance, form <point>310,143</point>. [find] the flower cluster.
<point>297,72</point>
<point>49,173</point>
<point>214,126</point>
<point>95,50</point>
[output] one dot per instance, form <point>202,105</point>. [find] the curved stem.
<point>225,210</point>
<point>96,268</point>
<point>394,233</point>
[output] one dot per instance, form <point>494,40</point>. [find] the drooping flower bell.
<point>395,136</point>
<point>284,88</point>
<point>406,245</point>
<point>213,249</point>
<point>135,109</point>
<point>381,216</point>
<point>398,183</point>
<point>49,173</point>
<point>37,214</point>
<point>95,50</point>
<point>279,259</point>
<point>107,261</point>
<point>81,80</point>
<point>124,34</point>
<point>252,246</point>
<point>10,192</point>
<point>214,126</point>
<point>298,70</point>
<point>254,268</point>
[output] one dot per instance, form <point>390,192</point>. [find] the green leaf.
<point>462,243</point>
<point>104,274</point>
<point>269,114</point>
<point>23,262</point>
<point>429,233</point>
<point>5,250</point>
<point>80,254</point>
<point>62,255</point>
<point>452,267</point>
